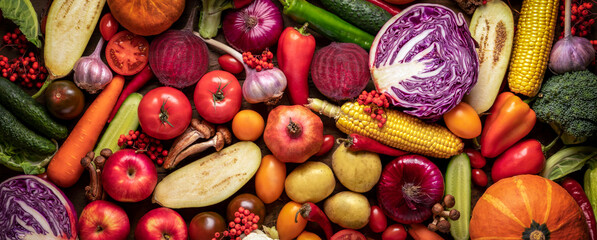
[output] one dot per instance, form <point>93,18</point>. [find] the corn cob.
<point>532,45</point>
<point>400,131</point>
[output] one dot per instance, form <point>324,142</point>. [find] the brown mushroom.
<point>94,191</point>
<point>198,129</point>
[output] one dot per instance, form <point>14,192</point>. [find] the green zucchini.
<point>458,184</point>
<point>363,14</point>
<point>29,111</point>
<point>18,135</point>
<point>125,119</point>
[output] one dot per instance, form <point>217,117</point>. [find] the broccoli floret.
<point>568,103</point>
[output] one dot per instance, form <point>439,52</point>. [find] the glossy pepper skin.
<point>576,191</point>
<point>509,120</point>
<point>295,52</point>
<point>525,157</point>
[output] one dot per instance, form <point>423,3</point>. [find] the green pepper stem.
<point>303,29</point>
<point>553,142</point>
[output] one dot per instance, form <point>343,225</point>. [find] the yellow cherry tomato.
<point>463,121</point>
<point>270,178</point>
<point>247,125</point>
<point>308,236</point>
<point>287,228</point>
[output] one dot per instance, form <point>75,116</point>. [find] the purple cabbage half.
<point>33,208</point>
<point>424,59</point>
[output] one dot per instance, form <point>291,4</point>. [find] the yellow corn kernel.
<point>400,131</point>
<point>532,45</point>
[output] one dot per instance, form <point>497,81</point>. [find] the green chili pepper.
<point>326,23</point>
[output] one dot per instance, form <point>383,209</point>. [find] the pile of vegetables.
<point>284,136</point>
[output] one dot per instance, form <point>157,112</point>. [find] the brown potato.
<point>310,182</point>
<point>357,171</point>
<point>348,209</point>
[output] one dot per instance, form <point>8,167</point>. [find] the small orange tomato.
<point>247,125</point>
<point>463,121</point>
<point>270,178</point>
<point>308,236</point>
<point>287,228</point>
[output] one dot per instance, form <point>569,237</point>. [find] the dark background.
<point>76,193</point>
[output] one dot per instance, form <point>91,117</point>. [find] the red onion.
<point>253,28</point>
<point>91,73</point>
<point>263,86</point>
<point>408,188</point>
<point>178,58</point>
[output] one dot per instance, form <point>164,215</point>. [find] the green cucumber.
<point>590,184</point>
<point>363,14</point>
<point>125,119</point>
<point>18,135</point>
<point>458,184</point>
<point>29,111</point>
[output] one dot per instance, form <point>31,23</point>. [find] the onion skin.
<point>178,58</point>
<point>340,70</point>
<point>253,28</point>
<point>416,171</point>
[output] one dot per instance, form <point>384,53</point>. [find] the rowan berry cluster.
<point>24,70</point>
<point>376,101</point>
<point>244,222</point>
<point>581,19</point>
<point>152,147</point>
<point>259,62</point>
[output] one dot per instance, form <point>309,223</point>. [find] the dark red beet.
<point>340,71</point>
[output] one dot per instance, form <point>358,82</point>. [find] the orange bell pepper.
<point>509,120</point>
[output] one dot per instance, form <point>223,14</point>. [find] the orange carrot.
<point>65,167</point>
<point>420,232</point>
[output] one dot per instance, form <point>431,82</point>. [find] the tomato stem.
<point>164,114</point>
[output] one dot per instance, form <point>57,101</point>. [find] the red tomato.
<point>127,53</point>
<point>377,220</point>
<point>477,160</point>
<point>394,232</point>
<point>230,64</point>
<point>218,96</point>
<point>348,234</point>
<point>479,178</point>
<point>328,143</point>
<point>108,26</point>
<point>164,113</point>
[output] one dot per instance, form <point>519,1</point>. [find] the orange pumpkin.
<point>146,17</point>
<point>527,207</point>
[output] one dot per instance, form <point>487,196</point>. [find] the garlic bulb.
<point>91,73</point>
<point>264,86</point>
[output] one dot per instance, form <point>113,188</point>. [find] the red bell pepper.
<point>576,191</point>
<point>509,120</point>
<point>525,157</point>
<point>313,213</point>
<point>386,6</point>
<point>295,52</point>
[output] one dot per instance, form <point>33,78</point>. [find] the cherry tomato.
<point>348,234</point>
<point>218,96</point>
<point>463,121</point>
<point>328,144</point>
<point>377,220</point>
<point>204,225</point>
<point>479,177</point>
<point>285,224</point>
<point>247,201</point>
<point>164,113</point>
<point>394,232</point>
<point>108,26</point>
<point>269,179</point>
<point>230,64</point>
<point>127,53</point>
<point>248,125</point>
<point>308,236</point>
<point>64,99</point>
<point>477,160</point>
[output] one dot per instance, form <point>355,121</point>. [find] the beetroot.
<point>178,58</point>
<point>409,186</point>
<point>340,71</point>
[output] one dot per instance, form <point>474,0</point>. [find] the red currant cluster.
<point>150,146</point>
<point>580,18</point>
<point>244,222</point>
<point>376,101</point>
<point>259,62</point>
<point>24,70</point>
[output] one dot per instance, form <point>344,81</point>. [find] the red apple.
<point>161,223</point>
<point>103,220</point>
<point>129,176</point>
